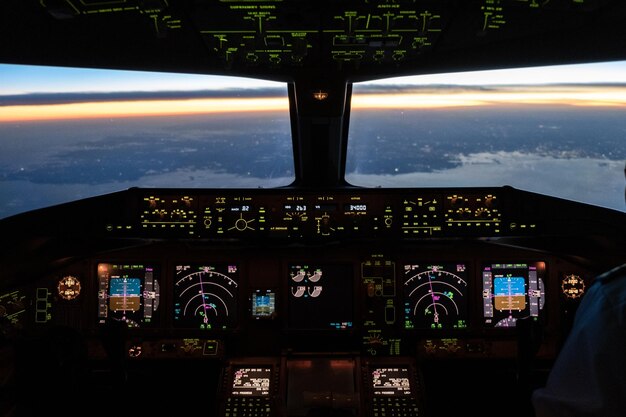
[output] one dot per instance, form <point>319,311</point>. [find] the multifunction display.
<point>512,291</point>
<point>128,293</point>
<point>435,296</point>
<point>321,296</point>
<point>251,381</point>
<point>205,296</point>
<point>391,382</point>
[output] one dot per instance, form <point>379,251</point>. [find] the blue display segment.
<point>509,286</point>
<point>124,287</point>
<point>263,300</point>
<point>263,304</point>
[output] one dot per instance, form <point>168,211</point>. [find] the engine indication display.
<point>313,294</point>
<point>205,296</point>
<point>512,291</point>
<point>435,296</point>
<point>128,293</point>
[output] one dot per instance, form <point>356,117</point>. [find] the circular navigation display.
<point>205,296</point>
<point>435,296</point>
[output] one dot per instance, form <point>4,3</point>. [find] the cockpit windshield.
<point>71,133</point>
<point>355,208</point>
<point>553,130</point>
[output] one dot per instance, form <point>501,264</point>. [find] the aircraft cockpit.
<point>318,296</point>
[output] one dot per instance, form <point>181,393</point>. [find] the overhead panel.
<point>291,37</point>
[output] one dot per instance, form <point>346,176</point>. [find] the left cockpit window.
<point>69,133</point>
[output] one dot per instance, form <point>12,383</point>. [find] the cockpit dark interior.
<point>320,298</point>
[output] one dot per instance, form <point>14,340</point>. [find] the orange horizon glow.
<point>574,96</point>
<point>434,99</point>
<point>139,108</point>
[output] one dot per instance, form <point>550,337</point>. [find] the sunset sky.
<point>29,94</point>
<point>84,93</point>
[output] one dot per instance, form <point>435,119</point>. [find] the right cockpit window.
<point>552,130</point>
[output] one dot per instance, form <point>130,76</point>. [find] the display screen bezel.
<point>226,316</point>
<point>256,312</point>
<point>534,275</point>
<point>404,371</point>
<point>315,314</point>
<point>148,295</point>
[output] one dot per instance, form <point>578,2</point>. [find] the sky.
<point>606,72</point>
<point>50,93</point>
<point>64,93</point>
<point>22,79</point>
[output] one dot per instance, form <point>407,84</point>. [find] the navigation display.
<point>435,296</point>
<point>127,292</point>
<point>251,381</point>
<point>320,297</point>
<point>512,291</point>
<point>391,382</point>
<point>205,296</point>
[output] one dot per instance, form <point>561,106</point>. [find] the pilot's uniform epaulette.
<point>617,272</point>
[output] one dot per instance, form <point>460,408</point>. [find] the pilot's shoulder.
<point>613,274</point>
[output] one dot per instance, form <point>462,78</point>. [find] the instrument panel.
<point>194,301</point>
<point>316,215</point>
<point>306,215</point>
<point>281,287</point>
<point>383,272</point>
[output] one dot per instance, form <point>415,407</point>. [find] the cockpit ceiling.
<point>286,40</point>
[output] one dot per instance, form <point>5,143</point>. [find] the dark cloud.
<point>454,88</point>
<point>65,98</point>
